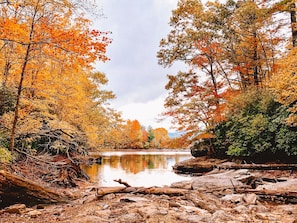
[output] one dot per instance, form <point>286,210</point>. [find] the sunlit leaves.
<point>283,84</point>
<point>227,46</point>
<point>160,139</point>
<point>48,52</point>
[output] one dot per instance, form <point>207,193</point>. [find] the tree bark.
<point>235,166</point>
<point>273,195</point>
<point>142,190</point>
<point>17,104</point>
<point>203,165</point>
<point>293,24</point>
<point>20,87</point>
<point>13,186</point>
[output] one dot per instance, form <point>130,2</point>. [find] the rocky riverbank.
<point>220,195</point>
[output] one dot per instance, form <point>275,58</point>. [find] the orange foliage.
<point>135,134</point>
<point>161,138</point>
<point>47,51</point>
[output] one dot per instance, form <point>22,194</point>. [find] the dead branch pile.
<point>53,141</point>
<point>54,170</point>
<point>38,179</point>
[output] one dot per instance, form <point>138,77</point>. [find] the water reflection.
<point>137,168</point>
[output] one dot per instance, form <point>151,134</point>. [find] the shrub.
<point>5,155</point>
<point>7,100</point>
<point>257,128</point>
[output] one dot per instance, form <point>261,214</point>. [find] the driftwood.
<point>122,182</point>
<point>272,166</point>
<point>273,195</point>
<point>16,187</point>
<point>142,190</point>
<point>204,164</point>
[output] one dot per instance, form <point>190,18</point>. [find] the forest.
<point>238,93</point>
<point>52,99</point>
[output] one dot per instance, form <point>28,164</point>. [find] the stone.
<point>34,213</point>
<point>163,212</point>
<point>199,211</point>
<point>91,219</point>
<point>221,216</point>
<point>133,199</point>
<point>240,209</point>
<point>173,204</point>
<point>182,184</point>
<point>108,197</point>
<point>234,198</point>
<point>16,209</point>
<point>250,198</point>
<point>131,217</point>
<point>193,218</point>
<point>217,181</point>
<point>148,211</point>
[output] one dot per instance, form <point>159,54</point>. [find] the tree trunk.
<point>142,190</point>
<point>255,61</point>
<point>20,87</point>
<point>283,196</point>
<point>15,189</point>
<point>293,24</point>
<point>17,104</point>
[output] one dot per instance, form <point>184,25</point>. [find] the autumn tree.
<point>161,138</point>
<point>48,49</point>
<point>194,93</point>
<point>135,134</point>
<point>227,47</point>
<point>150,132</point>
<point>283,85</point>
<point>178,142</point>
<point>287,6</point>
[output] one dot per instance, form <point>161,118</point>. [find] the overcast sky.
<point>133,72</point>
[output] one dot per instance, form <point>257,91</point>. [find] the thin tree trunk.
<point>293,24</point>
<point>255,61</point>
<point>17,104</point>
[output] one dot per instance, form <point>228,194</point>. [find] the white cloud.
<point>134,75</point>
<point>147,113</point>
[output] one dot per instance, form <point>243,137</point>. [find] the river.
<point>137,168</point>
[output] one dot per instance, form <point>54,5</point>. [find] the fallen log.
<point>273,195</point>
<point>273,166</point>
<point>14,189</point>
<point>202,165</point>
<point>142,190</point>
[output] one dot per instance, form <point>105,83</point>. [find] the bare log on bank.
<point>273,166</point>
<point>202,165</point>
<point>273,195</point>
<point>12,186</point>
<point>142,190</point>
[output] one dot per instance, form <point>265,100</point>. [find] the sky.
<point>134,75</point>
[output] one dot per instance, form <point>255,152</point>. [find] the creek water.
<point>137,168</point>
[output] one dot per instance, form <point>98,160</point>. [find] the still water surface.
<point>139,168</point>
